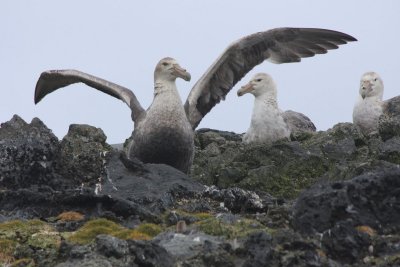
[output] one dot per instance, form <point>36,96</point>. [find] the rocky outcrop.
<point>284,169</point>
<point>322,199</point>
<point>28,153</point>
<point>370,199</point>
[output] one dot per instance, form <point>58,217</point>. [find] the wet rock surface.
<point>322,199</point>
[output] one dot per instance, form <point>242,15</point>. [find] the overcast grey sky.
<point>122,41</point>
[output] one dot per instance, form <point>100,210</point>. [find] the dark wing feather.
<point>52,80</point>
<point>391,107</point>
<point>281,45</point>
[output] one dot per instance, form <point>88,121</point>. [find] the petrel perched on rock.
<point>268,123</point>
<point>164,132</point>
<point>370,108</point>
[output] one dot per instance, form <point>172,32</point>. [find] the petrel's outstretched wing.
<point>281,45</point>
<point>52,80</point>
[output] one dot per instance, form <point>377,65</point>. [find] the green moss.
<point>31,238</point>
<point>88,232</point>
<point>35,233</point>
<point>91,229</point>
<point>21,229</point>
<point>136,235</point>
<point>25,262</point>
<point>202,215</point>
<point>240,228</point>
<point>149,229</point>
<point>7,248</point>
<point>286,178</point>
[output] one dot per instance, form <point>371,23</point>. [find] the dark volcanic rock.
<point>82,155</point>
<point>120,194</point>
<point>155,187</point>
<point>27,154</point>
<point>110,251</point>
<point>348,215</point>
<point>259,251</point>
<point>344,243</point>
<point>371,199</point>
<point>42,178</point>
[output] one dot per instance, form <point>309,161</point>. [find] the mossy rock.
<point>30,240</point>
<point>149,229</point>
<point>173,217</point>
<point>7,248</point>
<point>22,229</point>
<point>284,169</point>
<point>237,229</point>
<point>25,262</point>
<point>88,232</point>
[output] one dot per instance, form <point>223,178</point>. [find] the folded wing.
<point>281,45</point>
<point>391,107</point>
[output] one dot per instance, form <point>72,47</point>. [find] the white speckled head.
<point>168,69</point>
<point>371,85</point>
<point>259,85</point>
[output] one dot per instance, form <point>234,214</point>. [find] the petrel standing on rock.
<point>164,132</point>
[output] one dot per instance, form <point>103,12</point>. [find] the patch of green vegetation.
<point>25,262</point>
<point>387,260</point>
<point>240,228</point>
<point>21,229</point>
<point>35,233</point>
<point>187,216</point>
<point>202,215</point>
<point>393,157</point>
<point>30,237</point>
<point>7,248</point>
<point>88,232</point>
<point>149,229</point>
<point>288,179</point>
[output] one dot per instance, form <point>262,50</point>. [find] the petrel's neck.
<point>165,87</point>
<point>166,94</point>
<point>267,99</point>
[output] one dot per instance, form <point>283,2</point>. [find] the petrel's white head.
<point>260,84</point>
<point>371,85</point>
<point>168,69</point>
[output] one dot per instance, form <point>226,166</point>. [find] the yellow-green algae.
<point>88,232</point>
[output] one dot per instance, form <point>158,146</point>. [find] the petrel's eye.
<point>165,63</point>
<point>375,79</point>
<point>258,80</point>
